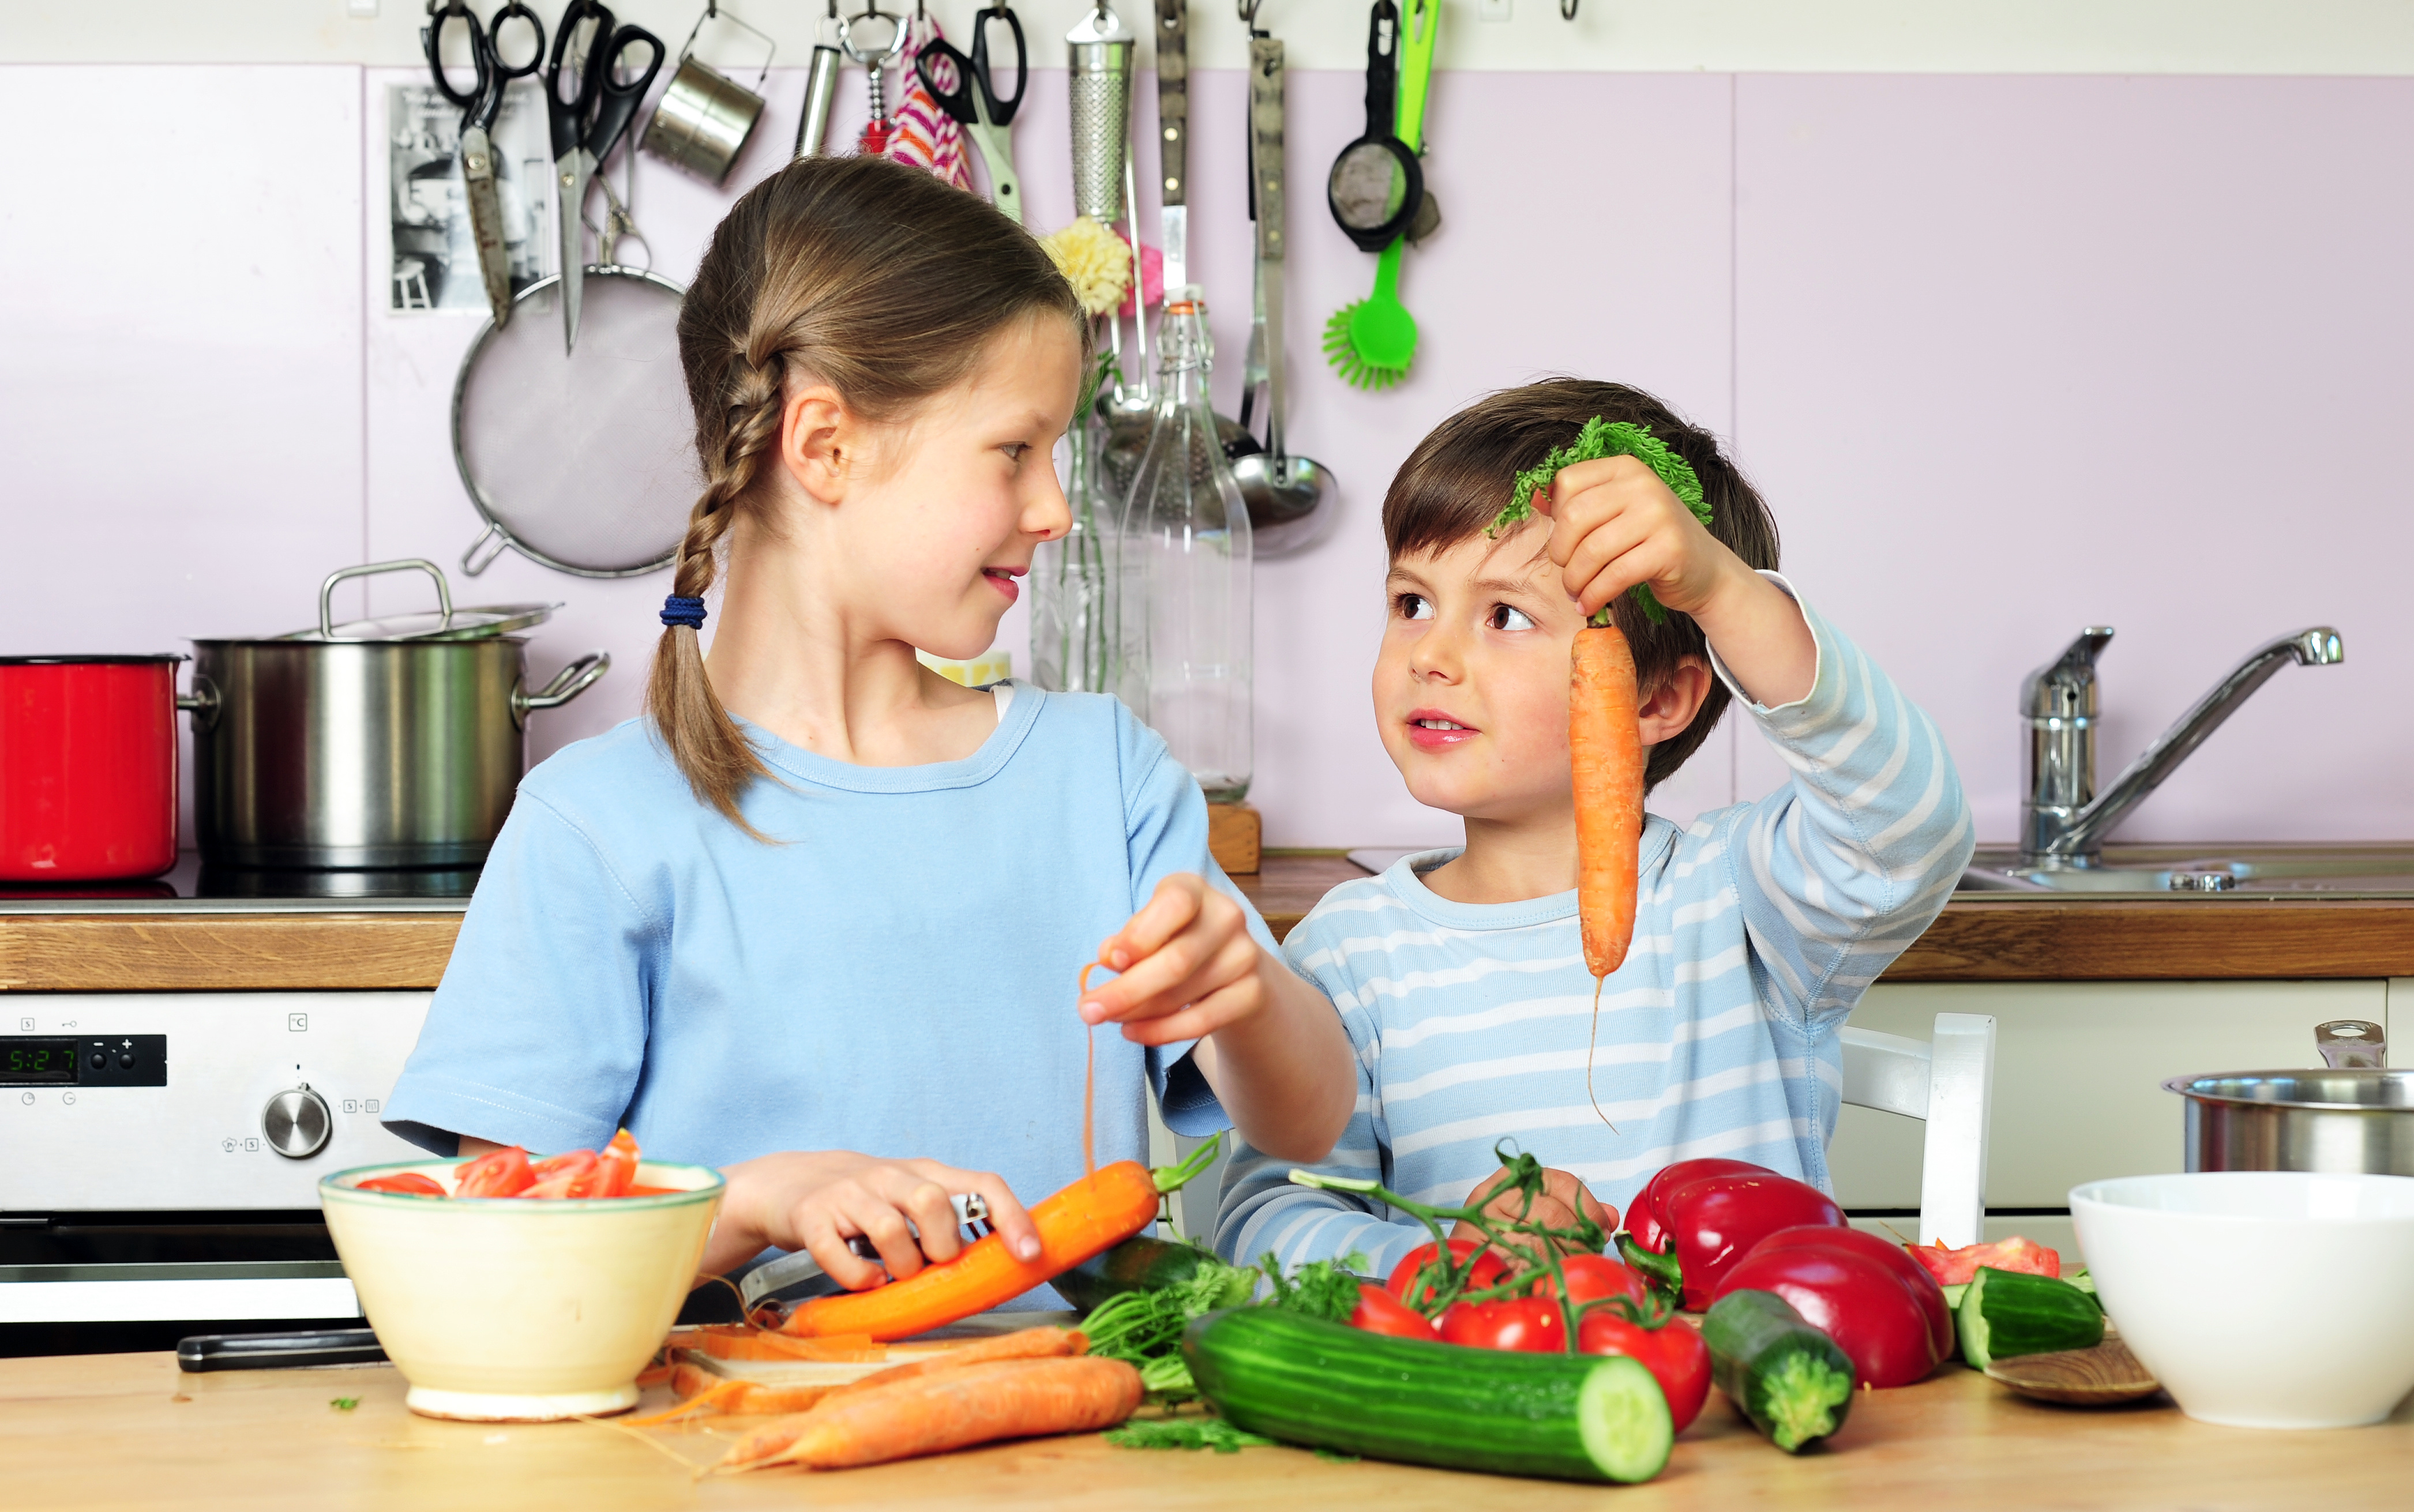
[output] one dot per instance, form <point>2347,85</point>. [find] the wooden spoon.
<point>2097,1377</point>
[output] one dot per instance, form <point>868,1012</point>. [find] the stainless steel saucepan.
<point>388,743</point>
<point>2352,1116</point>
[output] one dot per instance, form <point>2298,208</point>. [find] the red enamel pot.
<point>87,767</point>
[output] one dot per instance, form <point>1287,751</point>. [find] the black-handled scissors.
<point>976,105</point>
<point>586,124</point>
<point>479,107</point>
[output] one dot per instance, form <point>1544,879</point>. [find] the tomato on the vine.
<point>1592,1277</point>
<point>1489,1268</point>
<point>1380,1311</point>
<point>1527,1323</point>
<point>1673,1352</point>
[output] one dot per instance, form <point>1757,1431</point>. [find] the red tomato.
<point>581,1172</point>
<point>1591,1277</point>
<point>1673,1354</point>
<point>1855,1300</point>
<point>498,1173</point>
<point>1951,1268</point>
<point>619,1160</point>
<point>1380,1311</point>
<point>1488,1269</point>
<point>1913,1275</point>
<point>411,1182</point>
<point>1529,1323</point>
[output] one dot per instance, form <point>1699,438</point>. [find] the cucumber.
<point>1792,1382</point>
<point>2006,1314</point>
<point>1139,1264</point>
<point>1953,1295</point>
<point>1330,1386</point>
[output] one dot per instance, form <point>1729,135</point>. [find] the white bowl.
<point>505,1309</point>
<point>2261,1299</point>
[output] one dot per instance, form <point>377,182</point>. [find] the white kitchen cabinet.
<point>2079,1074</point>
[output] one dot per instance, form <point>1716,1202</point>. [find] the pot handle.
<point>567,683</point>
<point>2351,1045</point>
<point>327,589</point>
<point>202,703</point>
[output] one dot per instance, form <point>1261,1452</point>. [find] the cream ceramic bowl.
<point>501,1310</point>
<point>2261,1299</point>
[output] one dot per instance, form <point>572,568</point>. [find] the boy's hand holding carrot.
<point>816,1200</point>
<point>1269,1043</point>
<point>1616,526</point>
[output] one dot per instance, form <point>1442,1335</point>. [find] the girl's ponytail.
<point>875,279</point>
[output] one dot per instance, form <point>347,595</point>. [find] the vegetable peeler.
<point>972,1214</point>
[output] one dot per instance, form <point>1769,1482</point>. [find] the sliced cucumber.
<point>1622,1418</point>
<point>2006,1314</point>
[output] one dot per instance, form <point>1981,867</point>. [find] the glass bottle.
<point>1183,574</point>
<point>1073,629</point>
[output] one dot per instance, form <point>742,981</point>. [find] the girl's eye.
<point>1415,606</point>
<point>1014,450</point>
<point>1505,619</point>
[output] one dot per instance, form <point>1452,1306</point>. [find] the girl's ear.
<point>818,439</point>
<point>1667,709</point>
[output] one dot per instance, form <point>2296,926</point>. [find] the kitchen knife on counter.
<point>279,1351</point>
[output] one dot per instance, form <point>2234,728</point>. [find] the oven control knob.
<point>296,1123</point>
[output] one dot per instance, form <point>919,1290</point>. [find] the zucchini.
<point>1792,1382</point>
<point>1330,1386</point>
<point>1139,1264</point>
<point>2006,1314</point>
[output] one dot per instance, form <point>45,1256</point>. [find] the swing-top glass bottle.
<point>1182,574</point>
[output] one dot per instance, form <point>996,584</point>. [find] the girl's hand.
<point>1188,967</point>
<point>817,1200</point>
<point>1563,1201</point>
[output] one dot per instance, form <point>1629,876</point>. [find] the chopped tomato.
<point>1591,1277</point>
<point>1380,1311</point>
<point>1951,1268</point>
<point>1527,1323</point>
<point>1673,1352</point>
<point>1489,1268</point>
<point>409,1182</point>
<point>581,1172</point>
<point>498,1173</point>
<point>619,1160</point>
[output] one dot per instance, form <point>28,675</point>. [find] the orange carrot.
<point>1605,746</point>
<point>1024,1344</point>
<point>706,1392</point>
<point>738,1340</point>
<point>1093,1215</point>
<point>952,1410</point>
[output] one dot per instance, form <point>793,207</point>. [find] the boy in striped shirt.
<point>1459,973</point>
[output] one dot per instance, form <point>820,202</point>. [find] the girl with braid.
<point>816,917</point>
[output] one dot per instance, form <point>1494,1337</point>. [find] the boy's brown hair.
<point>1458,480</point>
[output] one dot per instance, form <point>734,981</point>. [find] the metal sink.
<point>2346,870</point>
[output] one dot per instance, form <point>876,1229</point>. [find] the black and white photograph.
<point>434,249</point>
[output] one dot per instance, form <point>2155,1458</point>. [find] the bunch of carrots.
<point>610,1172</point>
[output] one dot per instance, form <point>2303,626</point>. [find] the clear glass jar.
<point>1073,623</point>
<point>1183,574</point>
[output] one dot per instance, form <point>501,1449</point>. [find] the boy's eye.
<point>1014,450</point>
<point>1505,619</point>
<point>1415,606</point>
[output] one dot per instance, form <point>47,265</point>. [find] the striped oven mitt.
<point>926,136</point>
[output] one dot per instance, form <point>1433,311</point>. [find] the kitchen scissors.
<point>586,124</point>
<point>479,107</point>
<point>974,103</point>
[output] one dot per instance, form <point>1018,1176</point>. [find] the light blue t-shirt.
<point>896,978</point>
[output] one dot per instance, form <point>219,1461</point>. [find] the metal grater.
<point>1102,48</point>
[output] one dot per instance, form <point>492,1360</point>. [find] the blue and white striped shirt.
<point>1757,928</point>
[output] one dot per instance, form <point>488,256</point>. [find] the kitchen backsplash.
<point>2009,356</point>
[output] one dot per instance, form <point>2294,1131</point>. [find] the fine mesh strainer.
<point>583,461</point>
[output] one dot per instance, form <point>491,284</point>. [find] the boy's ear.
<point>1666,710</point>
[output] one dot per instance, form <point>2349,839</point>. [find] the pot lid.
<point>478,624</point>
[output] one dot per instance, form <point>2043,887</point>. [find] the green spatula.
<point>1372,342</point>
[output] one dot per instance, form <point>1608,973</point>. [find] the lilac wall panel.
<point>2021,355</point>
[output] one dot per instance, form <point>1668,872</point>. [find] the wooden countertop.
<point>125,1431</point>
<point>1977,939</point>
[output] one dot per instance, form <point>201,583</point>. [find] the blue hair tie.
<point>687,612</point>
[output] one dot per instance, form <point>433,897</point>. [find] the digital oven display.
<point>34,1062</point>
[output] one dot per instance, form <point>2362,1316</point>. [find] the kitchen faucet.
<point>2063,820</point>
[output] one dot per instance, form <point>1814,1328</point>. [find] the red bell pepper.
<point>1913,1277</point>
<point>1380,1311</point>
<point>1648,1218</point>
<point>1532,1324</point>
<point>1672,1352</point>
<point>1952,1267</point>
<point>1716,1219</point>
<point>1862,1301</point>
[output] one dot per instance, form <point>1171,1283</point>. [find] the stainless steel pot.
<point>317,751</point>
<point>2354,1117</point>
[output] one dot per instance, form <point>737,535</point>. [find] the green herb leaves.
<point>1609,438</point>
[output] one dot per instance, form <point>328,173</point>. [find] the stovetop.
<point>192,887</point>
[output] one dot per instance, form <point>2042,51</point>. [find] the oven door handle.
<point>279,1351</point>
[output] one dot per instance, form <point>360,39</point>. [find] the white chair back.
<point>1948,1081</point>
